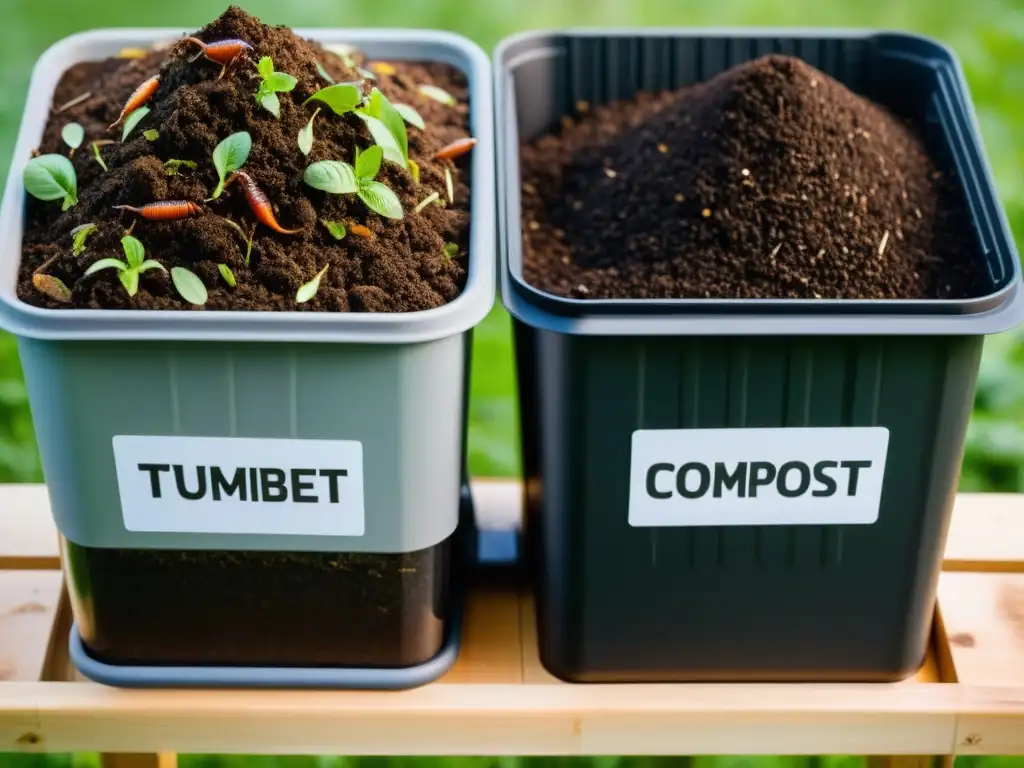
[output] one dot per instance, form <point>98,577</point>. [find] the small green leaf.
<point>383,110</point>
<point>171,167</point>
<point>189,286</point>
<point>308,290</point>
<point>343,52</point>
<point>449,185</point>
<point>227,274</point>
<point>281,82</point>
<point>133,251</point>
<point>438,94</point>
<point>51,177</point>
<point>380,199</point>
<point>341,98</point>
<point>78,236</point>
<point>410,115</point>
<point>99,158</point>
<point>306,134</point>
<point>271,103</point>
<point>414,171</point>
<point>149,264</point>
<point>130,280</point>
<point>384,139</point>
<point>229,156</point>
<point>133,119</point>
<point>323,73</point>
<point>451,250</point>
<point>51,286</point>
<point>152,134</point>
<point>117,264</point>
<point>431,198</point>
<point>337,230</point>
<point>368,163</point>
<point>367,74</point>
<point>73,135</point>
<point>265,67</point>
<point>332,176</point>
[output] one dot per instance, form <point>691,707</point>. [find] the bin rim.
<point>458,315</point>
<point>995,312</point>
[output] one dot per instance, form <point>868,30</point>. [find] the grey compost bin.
<point>363,416</point>
<point>634,587</point>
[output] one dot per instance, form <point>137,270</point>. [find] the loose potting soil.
<point>401,266</point>
<point>771,180</point>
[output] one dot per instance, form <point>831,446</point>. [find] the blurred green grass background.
<point>988,35</point>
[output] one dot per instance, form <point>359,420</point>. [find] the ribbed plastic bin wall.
<point>340,439</point>
<point>819,441</point>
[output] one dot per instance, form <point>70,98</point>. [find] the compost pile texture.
<point>397,266</point>
<point>771,180</point>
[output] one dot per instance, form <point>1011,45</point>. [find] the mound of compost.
<point>771,180</point>
<point>390,266</point>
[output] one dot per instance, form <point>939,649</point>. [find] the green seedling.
<point>51,177</point>
<point>96,152</point>
<point>387,128</point>
<point>133,119</point>
<point>410,115</point>
<point>451,250</point>
<point>366,74</point>
<point>271,84</point>
<point>340,178</point>
<point>73,135</point>
<point>433,197</point>
<point>229,156</point>
<point>188,285</point>
<point>227,274</point>
<point>78,236</point>
<point>341,98</point>
<point>306,134</point>
<point>343,52</point>
<point>414,171</point>
<point>308,290</point>
<point>152,134</point>
<point>449,185</point>
<point>323,73</point>
<point>247,238</point>
<point>173,167</point>
<point>438,94</point>
<point>128,271</point>
<point>337,230</point>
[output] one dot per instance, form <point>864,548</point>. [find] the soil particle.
<point>403,268</point>
<point>772,180</point>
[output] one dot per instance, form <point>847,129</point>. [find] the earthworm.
<point>140,96</point>
<point>455,149</point>
<point>164,210</point>
<point>259,203</point>
<point>223,52</point>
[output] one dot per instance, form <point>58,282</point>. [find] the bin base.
<point>351,678</point>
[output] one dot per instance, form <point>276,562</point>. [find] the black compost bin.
<point>743,489</point>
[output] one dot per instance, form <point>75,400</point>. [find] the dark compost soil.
<point>771,180</point>
<point>261,608</point>
<point>403,268</point>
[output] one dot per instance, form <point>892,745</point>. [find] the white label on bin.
<point>240,485</point>
<point>776,476</point>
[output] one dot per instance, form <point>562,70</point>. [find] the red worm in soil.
<point>361,231</point>
<point>224,52</point>
<point>455,149</point>
<point>164,210</point>
<point>259,203</point>
<point>140,96</point>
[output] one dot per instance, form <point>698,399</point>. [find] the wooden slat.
<point>28,603</point>
<point>28,538</point>
<point>984,620</point>
<point>986,533</point>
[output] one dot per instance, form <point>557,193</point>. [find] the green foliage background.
<point>988,35</point>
